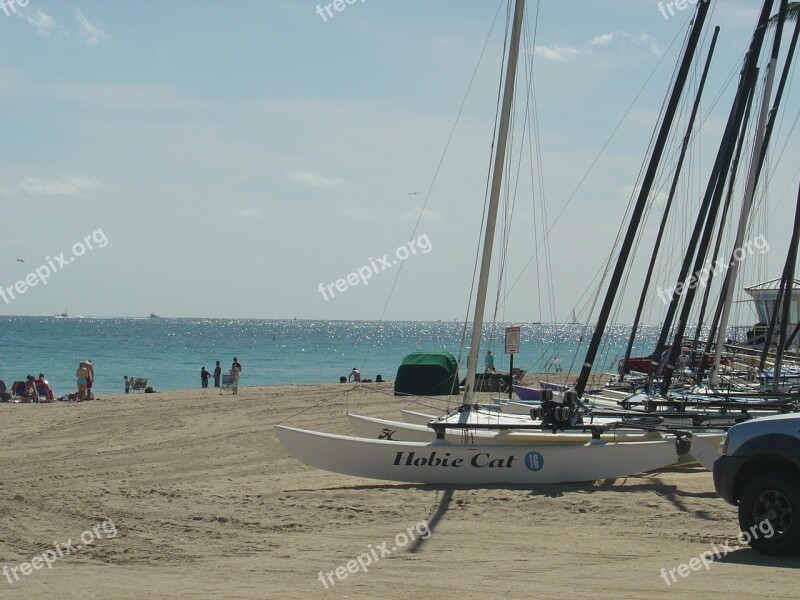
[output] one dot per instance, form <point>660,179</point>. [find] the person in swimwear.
<point>81,375</point>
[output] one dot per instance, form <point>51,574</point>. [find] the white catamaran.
<point>508,457</point>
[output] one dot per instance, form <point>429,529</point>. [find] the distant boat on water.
<point>154,316</point>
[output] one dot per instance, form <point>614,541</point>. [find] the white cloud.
<point>43,22</point>
<point>318,180</point>
<point>621,37</point>
<point>68,185</point>
<point>91,33</point>
<point>557,52</point>
<point>564,53</point>
<point>602,40</point>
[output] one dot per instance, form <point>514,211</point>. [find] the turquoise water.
<point>170,352</point>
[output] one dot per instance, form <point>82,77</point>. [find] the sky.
<point>271,159</point>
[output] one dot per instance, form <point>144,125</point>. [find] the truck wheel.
<point>771,503</point>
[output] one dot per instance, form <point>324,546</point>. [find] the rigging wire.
<point>439,168</point>
<point>596,158</point>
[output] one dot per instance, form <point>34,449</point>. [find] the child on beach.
<point>127,385</point>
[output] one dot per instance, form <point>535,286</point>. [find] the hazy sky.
<point>225,158</point>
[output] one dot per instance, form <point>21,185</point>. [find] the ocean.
<point>170,352</point>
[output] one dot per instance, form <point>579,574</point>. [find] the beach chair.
<point>139,384</point>
<point>227,383</point>
<point>19,392</point>
<point>44,391</point>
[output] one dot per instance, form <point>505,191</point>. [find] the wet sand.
<point>206,504</point>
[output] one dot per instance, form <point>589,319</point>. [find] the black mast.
<point>663,225</point>
<point>749,81</point>
<point>783,14</point>
<point>728,198</point>
<point>644,193</point>
<point>788,274</point>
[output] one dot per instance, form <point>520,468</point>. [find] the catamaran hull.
<point>417,418</point>
<point>441,462</point>
<point>397,431</point>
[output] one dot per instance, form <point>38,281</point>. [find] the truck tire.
<point>771,501</point>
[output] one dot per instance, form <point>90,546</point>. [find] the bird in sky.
<point>20,260</point>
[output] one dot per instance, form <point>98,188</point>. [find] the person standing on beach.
<point>128,383</point>
<point>489,362</point>
<point>204,376</point>
<point>89,378</point>
<point>217,374</point>
<point>236,369</point>
<point>80,375</point>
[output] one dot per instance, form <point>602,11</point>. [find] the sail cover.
<point>427,374</point>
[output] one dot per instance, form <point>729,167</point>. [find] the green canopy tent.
<point>427,374</point>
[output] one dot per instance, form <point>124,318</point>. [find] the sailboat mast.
<point>644,193</point>
<point>762,139</point>
<point>791,263</point>
<point>494,202</point>
<point>668,207</point>
<point>734,169</point>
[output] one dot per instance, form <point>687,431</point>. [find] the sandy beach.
<point>188,494</point>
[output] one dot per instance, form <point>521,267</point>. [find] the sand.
<point>206,504</point>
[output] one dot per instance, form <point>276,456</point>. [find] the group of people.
<point>84,374</point>
<point>33,389</point>
<point>235,371</point>
<point>129,384</point>
<point>355,376</point>
<point>37,389</point>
